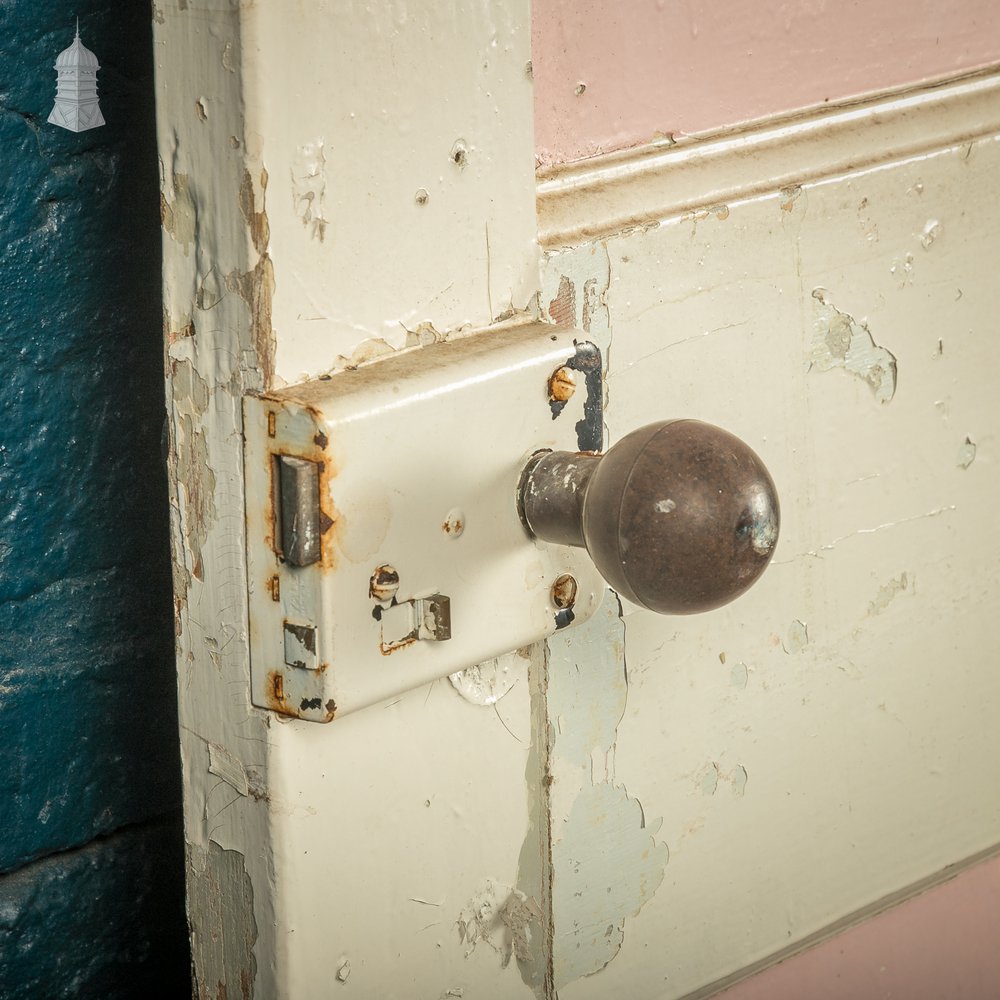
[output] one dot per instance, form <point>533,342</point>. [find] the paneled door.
<point>428,755</point>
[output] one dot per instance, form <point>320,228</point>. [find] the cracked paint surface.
<point>840,341</point>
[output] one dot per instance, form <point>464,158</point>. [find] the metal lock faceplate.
<point>384,544</point>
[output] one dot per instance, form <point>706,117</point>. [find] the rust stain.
<point>275,693</point>
<point>562,309</point>
<point>388,650</point>
<point>274,585</point>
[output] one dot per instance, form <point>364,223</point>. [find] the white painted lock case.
<point>385,548</point>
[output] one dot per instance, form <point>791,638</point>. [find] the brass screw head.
<point>564,592</point>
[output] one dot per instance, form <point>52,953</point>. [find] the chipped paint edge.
<point>596,197</point>
<point>218,345</point>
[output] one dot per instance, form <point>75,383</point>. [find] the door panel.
<point>820,743</point>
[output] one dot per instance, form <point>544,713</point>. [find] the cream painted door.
<point>641,804</point>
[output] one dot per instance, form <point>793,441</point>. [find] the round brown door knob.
<point>679,516</point>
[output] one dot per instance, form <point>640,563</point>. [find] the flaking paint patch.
<point>605,863</point>
<point>606,867</point>
<point>575,288</point>
<point>789,195</point>
<point>486,683</point>
<point>196,481</point>
<point>221,894</point>
<point>839,341</point>
<point>209,180</point>
<point>481,920</point>
<point>562,307</point>
<point>309,188</point>
<point>888,593</point>
<point>798,637</point>
<point>712,775</point>
<point>179,216</point>
<point>256,286</point>
<point>738,675</point>
<point>966,453</point>
<point>226,766</point>
<point>531,920</point>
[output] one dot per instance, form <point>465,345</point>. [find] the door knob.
<point>383,549</point>
<point>679,516</point>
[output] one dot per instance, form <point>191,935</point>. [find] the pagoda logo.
<point>76,105</point>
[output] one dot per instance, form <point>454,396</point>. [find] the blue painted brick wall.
<point>87,696</point>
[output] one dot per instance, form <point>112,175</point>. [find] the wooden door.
<point>662,802</point>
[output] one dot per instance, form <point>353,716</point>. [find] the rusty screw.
<point>562,385</point>
<point>384,584</point>
<point>564,592</point>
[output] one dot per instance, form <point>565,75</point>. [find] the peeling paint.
<point>798,637</point>
<point>530,919</point>
<point>179,217</point>
<point>309,187</point>
<point>562,308</point>
<point>930,233</point>
<point>220,892</point>
<point>720,211</point>
<point>712,775</point>
<point>196,480</point>
<point>888,593</point>
<point>605,862</point>
<point>606,867</point>
<point>902,268</point>
<point>966,453</point>
<point>840,341</point>
<point>486,683</point>
<point>226,766</point>
<point>217,284</point>
<point>256,286</point>
<point>789,195</point>
<point>481,921</point>
<point>589,270</point>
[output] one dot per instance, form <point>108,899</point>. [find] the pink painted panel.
<point>615,73</point>
<point>941,945</point>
